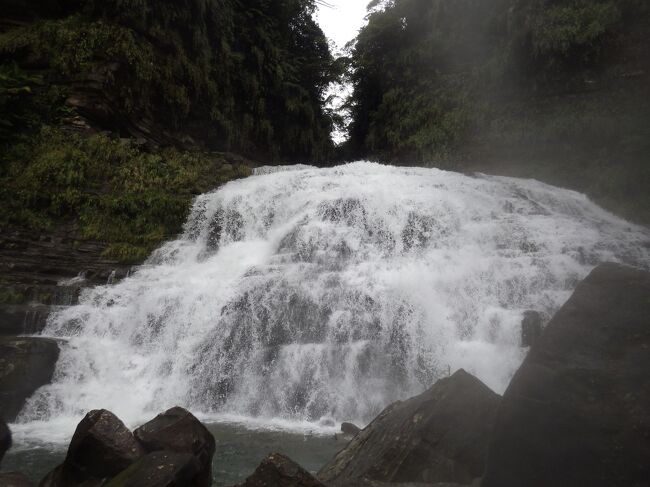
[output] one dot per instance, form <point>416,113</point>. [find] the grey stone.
<point>577,412</point>
<point>438,436</point>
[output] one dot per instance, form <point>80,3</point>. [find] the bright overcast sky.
<point>342,20</point>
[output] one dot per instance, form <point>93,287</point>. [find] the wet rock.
<point>5,439</point>
<point>54,479</point>
<point>439,436</point>
<point>531,328</point>
<point>161,469</point>
<point>576,412</point>
<point>279,471</point>
<point>177,430</point>
<point>14,479</point>
<point>101,447</point>
<point>374,483</point>
<point>23,319</point>
<point>25,365</point>
<point>349,429</point>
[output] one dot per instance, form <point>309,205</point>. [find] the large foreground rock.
<point>101,447</point>
<point>172,450</point>
<point>160,469</point>
<point>438,436</point>
<point>14,479</point>
<point>25,365</point>
<point>279,471</point>
<point>5,439</point>
<point>577,412</point>
<point>177,430</point>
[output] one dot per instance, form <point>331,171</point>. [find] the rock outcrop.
<point>177,430</point>
<point>279,471</point>
<point>577,412</point>
<point>174,449</point>
<point>25,365</point>
<point>349,429</point>
<point>160,469</point>
<point>101,447</point>
<point>43,269</point>
<point>22,319</point>
<point>438,436</point>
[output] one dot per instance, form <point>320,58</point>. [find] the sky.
<point>342,21</point>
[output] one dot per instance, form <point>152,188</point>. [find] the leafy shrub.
<point>119,194</point>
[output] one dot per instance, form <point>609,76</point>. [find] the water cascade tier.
<point>322,295</point>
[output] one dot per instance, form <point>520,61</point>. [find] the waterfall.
<point>310,295</point>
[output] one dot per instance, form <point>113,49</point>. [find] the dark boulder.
<point>531,328</point>
<point>375,483</point>
<point>177,430</point>
<point>5,439</point>
<point>439,436</point>
<point>577,412</point>
<point>25,365</point>
<point>54,479</point>
<point>14,479</point>
<point>160,469</point>
<point>101,447</point>
<point>279,471</point>
<point>349,429</point>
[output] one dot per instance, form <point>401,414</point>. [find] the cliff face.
<point>552,89</point>
<point>216,74</point>
<point>115,114</point>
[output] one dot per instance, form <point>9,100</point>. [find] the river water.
<point>239,451</point>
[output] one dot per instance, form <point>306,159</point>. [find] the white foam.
<point>309,293</point>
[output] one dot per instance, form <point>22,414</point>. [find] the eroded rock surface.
<point>160,469</point>
<point>438,436</point>
<point>101,447</point>
<point>577,412</point>
<point>25,365</point>
<point>279,471</point>
<point>177,430</point>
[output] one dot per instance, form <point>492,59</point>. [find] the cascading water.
<point>310,293</point>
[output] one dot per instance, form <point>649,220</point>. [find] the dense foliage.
<point>554,89</point>
<point>112,111</point>
<point>241,76</point>
<point>119,194</point>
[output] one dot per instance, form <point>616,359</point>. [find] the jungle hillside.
<point>557,90</point>
<point>115,114</point>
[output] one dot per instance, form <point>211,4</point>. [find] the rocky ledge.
<point>25,365</point>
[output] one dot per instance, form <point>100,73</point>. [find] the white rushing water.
<point>305,294</point>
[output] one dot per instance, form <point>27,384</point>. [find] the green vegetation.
<point>113,113</point>
<point>553,89</point>
<point>234,76</point>
<point>119,194</point>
